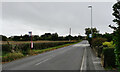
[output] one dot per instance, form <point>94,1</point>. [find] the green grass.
<point>33,52</point>
<point>12,56</point>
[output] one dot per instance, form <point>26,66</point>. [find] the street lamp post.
<point>91,19</point>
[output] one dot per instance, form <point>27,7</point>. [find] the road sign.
<point>30,33</point>
<point>90,35</point>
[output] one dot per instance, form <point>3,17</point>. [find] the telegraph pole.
<point>70,34</point>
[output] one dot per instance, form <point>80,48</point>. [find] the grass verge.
<point>14,56</point>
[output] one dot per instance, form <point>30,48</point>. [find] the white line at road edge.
<point>83,66</point>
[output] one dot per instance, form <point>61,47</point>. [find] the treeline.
<point>96,34</point>
<point>46,36</point>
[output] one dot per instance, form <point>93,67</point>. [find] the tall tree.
<point>116,13</point>
<point>88,31</point>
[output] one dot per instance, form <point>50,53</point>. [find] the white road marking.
<point>83,45</point>
<point>42,61</point>
<point>51,56</point>
<point>83,66</point>
<point>96,62</point>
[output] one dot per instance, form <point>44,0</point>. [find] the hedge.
<point>108,57</point>
<point>25,48</point>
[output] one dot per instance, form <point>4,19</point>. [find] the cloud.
<point>41,17</point>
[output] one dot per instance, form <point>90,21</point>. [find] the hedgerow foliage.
<point>116,13</point>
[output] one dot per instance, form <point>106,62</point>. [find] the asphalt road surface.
<point>66,58</point>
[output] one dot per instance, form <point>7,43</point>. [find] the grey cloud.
<point>41,17</point>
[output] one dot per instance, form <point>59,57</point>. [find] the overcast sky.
<point>44,17</point>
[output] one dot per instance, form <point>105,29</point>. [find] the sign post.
<point>30,34</point>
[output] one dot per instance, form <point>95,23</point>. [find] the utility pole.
<point>70,34</point>
<point>79,36</point>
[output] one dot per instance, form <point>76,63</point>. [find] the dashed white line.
<point>42,61</point>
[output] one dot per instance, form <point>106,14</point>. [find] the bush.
<point>25,48</point>
<point>97,45</point>
<point>11,57</point>
<point>6,47</point>
<point>109,44</point>
<point>108,57</point>
<point>97,41</point>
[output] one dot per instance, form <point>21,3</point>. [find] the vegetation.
<point>97,42</point>
<point>97,45</point>
<point>108,57</point>
<point>103,46</point>
<point>116,39</point>
<point>46,36</point>
<point>16,47</point>
<point>4,38</point>
<point>12,56</point>
<point>88,31</point>
<point>109,44</point>
<point>13,52</point>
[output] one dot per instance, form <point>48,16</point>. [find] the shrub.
<point>109,44</point>
<point>11,56</point>
<point>97,45</point>
<point>25,48</point>
<point>108,57</point>
<point>97,41</point>
<point>6,47</point>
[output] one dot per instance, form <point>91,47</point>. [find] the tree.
<point>26,37</point>
<point>15,38</point>
<point>116,40</point>
<point>35,38</point>
<point>4,38</point>
<point>108,36</point>
<point>46,36</point>
<point>88,31</point>
<point>54,36</point>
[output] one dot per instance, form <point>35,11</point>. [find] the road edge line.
<point>83,60</point>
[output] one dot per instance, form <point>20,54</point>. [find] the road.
<point>66,58</point>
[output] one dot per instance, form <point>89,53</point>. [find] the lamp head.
<point>90,6</point>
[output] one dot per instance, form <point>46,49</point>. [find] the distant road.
<point>66,58</point>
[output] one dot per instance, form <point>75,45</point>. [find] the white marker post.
<point>30,34</point>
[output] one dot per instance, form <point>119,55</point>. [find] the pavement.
<point>76,57</point>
